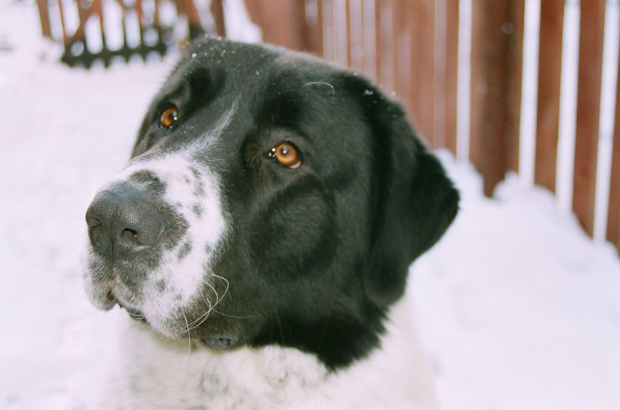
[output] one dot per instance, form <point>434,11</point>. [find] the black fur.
<point>315,255</point>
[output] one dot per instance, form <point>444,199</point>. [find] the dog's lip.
<point>220,341</point>
<point>133,313</point>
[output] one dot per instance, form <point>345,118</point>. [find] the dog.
<point>261,236</point>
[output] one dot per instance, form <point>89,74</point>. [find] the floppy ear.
<point>414,202</point>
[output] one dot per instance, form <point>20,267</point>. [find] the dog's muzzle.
<point>122,221</point>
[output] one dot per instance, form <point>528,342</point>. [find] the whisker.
<point>189,335</point>
<point>232,316</point>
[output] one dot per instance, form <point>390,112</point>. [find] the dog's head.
<point>271,198</point>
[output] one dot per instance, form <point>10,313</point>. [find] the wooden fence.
<point>66,21</point>
<point>410,47</point>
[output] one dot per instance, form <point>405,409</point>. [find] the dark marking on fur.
<point>161,285</point>
<point>149,180</point>
<point>199,189</point>
<point>185,249</point>
<point>197,210</point>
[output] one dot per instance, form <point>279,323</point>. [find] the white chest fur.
<point>154,373</point>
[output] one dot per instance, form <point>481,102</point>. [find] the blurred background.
<point>519,304</point>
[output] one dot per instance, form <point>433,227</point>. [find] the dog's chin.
<point>215,341</point>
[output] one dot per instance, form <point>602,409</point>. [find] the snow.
<point>517,307</point>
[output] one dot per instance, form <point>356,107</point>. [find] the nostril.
<point>130,237</point>
<point>92,222</point>
<point>129,233</point>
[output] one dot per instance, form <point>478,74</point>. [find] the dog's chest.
<point>155,373</point>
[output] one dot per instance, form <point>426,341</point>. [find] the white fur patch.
<point>153,373</point>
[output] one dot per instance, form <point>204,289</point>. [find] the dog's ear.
<point>414,202</point>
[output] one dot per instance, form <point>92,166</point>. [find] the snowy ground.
<point>518,308</point>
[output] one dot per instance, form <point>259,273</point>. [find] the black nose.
<point>123,220</point>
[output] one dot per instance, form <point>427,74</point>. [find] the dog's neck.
<point>156,373</point>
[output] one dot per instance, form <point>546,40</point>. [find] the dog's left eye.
<point>168,117</point>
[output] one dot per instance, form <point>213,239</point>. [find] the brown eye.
<point>168,117</point>
<point>286,155</point>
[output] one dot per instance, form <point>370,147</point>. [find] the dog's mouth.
<point>134,314</point>
<point>218,341</point>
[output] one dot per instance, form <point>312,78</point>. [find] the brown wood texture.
<point>613,218</point>
<point>313,41</point>
<point>451,73</point>
<point>355,35</point>
<point>549,81</point>
<point>401,51</point>
<point>44,17</point>
<point>422,72</point>
<point>592,28</point>
<point>378,42</point>
<point>217,12</point>
<point>369,37</point>
<point>327,14</point>
<point>384,41</point>
<point>491,84</point>
<point>514,27</point>
<point>284,28</point>
<point>349,34</point>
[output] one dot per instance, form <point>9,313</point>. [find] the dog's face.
<point>270,199</point>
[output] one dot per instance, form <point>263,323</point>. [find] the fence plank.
<point>549,80</point>
<point>613,219</point>
<point>441,49</point>
<point>515,28</point>
<point>369,38</point>
<point>284,28</point>
<point>592,28</point>
<point>327,14</point>
<point>217,11</point>
<point>422,90</point>
<point>313,15</point>
<point>44,17</point>
<point>493,57</point>
<point>452,58</point>
<point>383,10</point>
<point>401,53</point>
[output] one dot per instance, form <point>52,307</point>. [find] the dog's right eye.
<point>287,155</point>
<point>168,117</point>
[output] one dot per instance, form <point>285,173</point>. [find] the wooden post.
<point>44,17</point>
<point>515,29</point>
<point>329,35</point>
<point>422,91</point>
<point>284,27</point>
<point>493,119</point>
<point>313,41</point>
<point>592,29</point>
<point>401,51</point>
<point>384,10</point>
<point>452,63</point>
<point>348,36</point>
<point>613,218</point>
<point>549,79</point>
<point>217,11</point>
